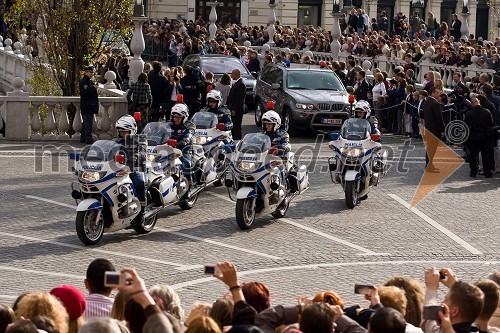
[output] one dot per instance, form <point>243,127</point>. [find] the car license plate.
<point>331,121</point>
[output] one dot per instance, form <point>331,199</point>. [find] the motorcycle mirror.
<point>273,151</point>
<point>351,99</point>
<point>334,136</point>
<point>220,126</point>
<point>172,142</point>
<point>137,116</point>
<point>375,137</point>
<point>120,158</point>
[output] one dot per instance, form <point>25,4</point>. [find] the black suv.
<point>306,96</point>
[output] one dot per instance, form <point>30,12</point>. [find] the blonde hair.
<point>43,304</point>
<point>413,289</point>
<point>203,324</point>
<point>118,309</point>
<point>170,299</point>
<point>393,297</point>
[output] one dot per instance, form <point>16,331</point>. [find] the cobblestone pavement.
<point>319,245</point>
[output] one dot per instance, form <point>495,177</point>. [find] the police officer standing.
<point>89,104</point>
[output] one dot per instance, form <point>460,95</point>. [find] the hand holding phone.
<point>363,289</point>
<point>431,312</point>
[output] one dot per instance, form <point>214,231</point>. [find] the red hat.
<point>72,299</point>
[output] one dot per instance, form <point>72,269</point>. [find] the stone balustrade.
<point>28,117</point>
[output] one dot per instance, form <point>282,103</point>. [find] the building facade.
<point>483,19</point>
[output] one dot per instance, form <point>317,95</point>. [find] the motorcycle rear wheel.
<point>148,225</point>
<point>188,203</point>
<point>245,212</point>
<point>351,194</point>
<point>89,230</point>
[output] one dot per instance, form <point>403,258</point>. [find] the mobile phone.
<point>113,279</point>
<point>363,289</point>
<point>442,276</point>
<point>209,270</point>
<point>431,312</point>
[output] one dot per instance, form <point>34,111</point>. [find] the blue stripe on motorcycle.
<point>168,190</point>
<point>95,205</point>
<point>106,195</point>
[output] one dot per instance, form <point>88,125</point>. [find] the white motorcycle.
<point>357,164</point>
<point>257,174</point>
<point>208,150</point>
<point>165,181</point>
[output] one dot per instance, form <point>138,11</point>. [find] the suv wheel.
<point>258,113</point>
<point>288,123</point>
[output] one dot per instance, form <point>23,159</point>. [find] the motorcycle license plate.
<point>331,121</point>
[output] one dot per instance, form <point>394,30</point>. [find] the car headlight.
<point>92,176</point>
<point>352,152</point>
<point>246,166</point>
<point>305,106</point>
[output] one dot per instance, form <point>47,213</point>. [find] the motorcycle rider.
<point>214,105</point>
<point>183,131</point>
<point>271,123</point>
<point>126,127</point>
<point>362,110</point>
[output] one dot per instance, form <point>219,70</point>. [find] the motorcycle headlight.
<point>305,106</point>
<point>151,157</point>
<point>246,166</point>
<point>352,152</point>
<point>201,140</point>
<point>92,176</point>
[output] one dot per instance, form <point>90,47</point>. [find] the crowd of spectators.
<point>399,305</point>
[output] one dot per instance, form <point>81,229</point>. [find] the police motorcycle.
<point>165,180</point>
<point>264,182</point>
<point>358,162</point>
<point>106,197</point>
<point>211,136</point>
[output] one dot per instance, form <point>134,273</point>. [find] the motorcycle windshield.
<point>254,143</point>
<point>101,151</point>
<point>204,120</point>
<point>157,133</point>
<point>356,129</point>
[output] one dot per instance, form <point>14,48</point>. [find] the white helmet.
<point>215,94</point>
<point>363,106</point>
<point>126,123</point>
<point>271,117</point>
<point>180,109</point>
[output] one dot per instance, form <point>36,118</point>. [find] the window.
<point>228,11</point>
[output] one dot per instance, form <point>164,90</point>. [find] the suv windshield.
<point>313,80</point>
<point>356,129</point>
<point>221,65</point>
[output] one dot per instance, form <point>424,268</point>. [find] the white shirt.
<point>378,91</point>
<point>98,306</point>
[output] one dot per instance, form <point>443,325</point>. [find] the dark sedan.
<point>220,64</point>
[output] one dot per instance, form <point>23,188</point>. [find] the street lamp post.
<point>335,45</point>
<point>137,44</point>
<point>213,18</point>
<point>464,30</point>
<point>272,19</point>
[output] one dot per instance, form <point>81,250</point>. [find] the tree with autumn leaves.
<point>73,32</point>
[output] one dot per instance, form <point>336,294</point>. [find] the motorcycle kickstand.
<point>229,193</point>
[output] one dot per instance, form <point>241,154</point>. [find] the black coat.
<point>480,123</point>
<point>433,117</point>
<point>236,97</point>
<point>89,101</point>
<point>158,84</point>
<point>362,91</point>
<point>456,26</point>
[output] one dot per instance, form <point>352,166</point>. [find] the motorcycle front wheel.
<point>88,228</point>
<point>245,212</point>
<point>351,194</point>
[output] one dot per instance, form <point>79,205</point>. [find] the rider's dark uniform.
<point>223,116</point>
<point>183,133</point>
<point>136,160</point>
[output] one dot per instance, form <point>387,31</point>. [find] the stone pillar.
<point>17,113</point>
<point>137,44</point>
<point>213,18</point>
<point>335,45</point>
<point>271,20</point>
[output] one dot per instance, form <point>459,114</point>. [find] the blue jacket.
<point>279,139</point>
<point>183,133</point>
<point>223,115</point>
<point>89,101</point>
